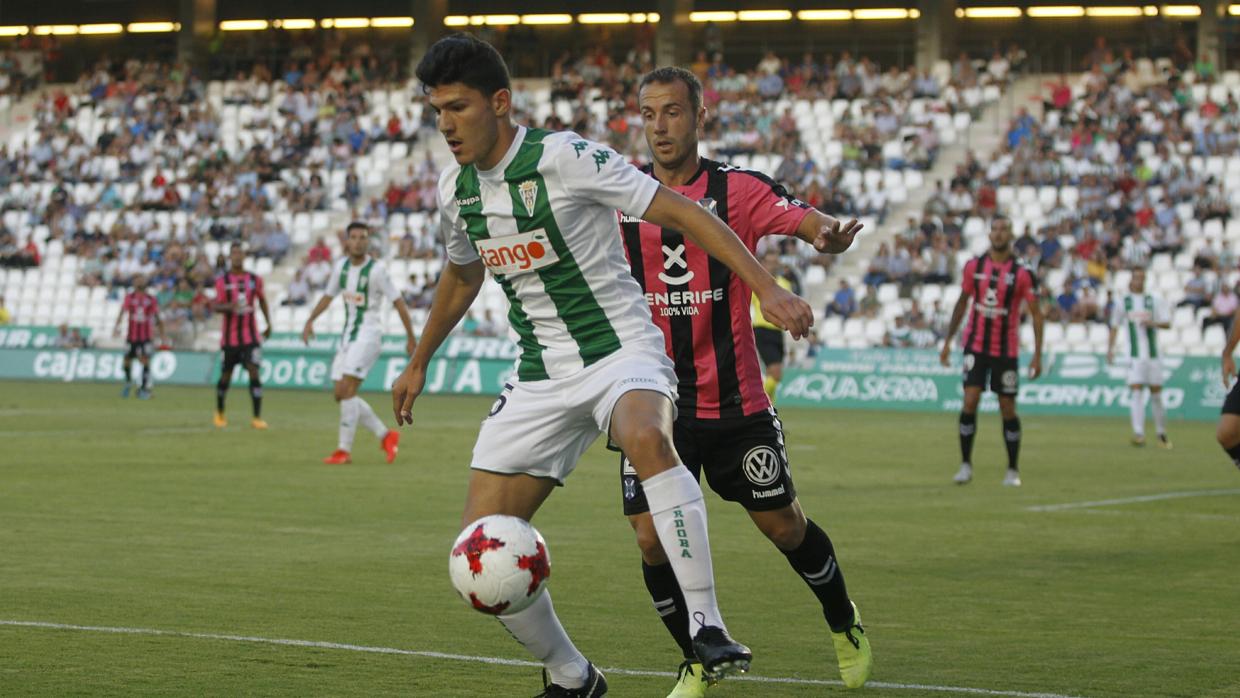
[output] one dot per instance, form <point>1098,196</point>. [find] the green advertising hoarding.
<point>1071,384</point>
<point>880,379</point>
<point>32,336</point>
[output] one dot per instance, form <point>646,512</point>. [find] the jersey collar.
<point>497,172</point>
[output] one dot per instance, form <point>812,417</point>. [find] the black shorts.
<point>1004,373</point>
<point>744,459</point>
<point>1231,405</point>
<point>247,355</point>
<point>770,345</point>
<point>139,350</point>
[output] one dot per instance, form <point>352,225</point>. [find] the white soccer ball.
<point>499,564</point>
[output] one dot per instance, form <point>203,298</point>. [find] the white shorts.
<point>1145,372</point>
<point>542,428</point>
<point>355,359</point>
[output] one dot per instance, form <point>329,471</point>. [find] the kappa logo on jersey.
<point>762,466</point>
<point>675,257</point>
<point>517,254</point>
<point>529,194</point>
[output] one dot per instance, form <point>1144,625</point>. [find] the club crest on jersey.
<point>529,195</point>
<point>517,254</point>
<point>675,257</point>
<point>710,205</point>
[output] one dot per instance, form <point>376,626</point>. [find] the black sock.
<point>128,373</point>
<point>669,603</point>
<point>1011,438</point>
<point>146,377</point>
<point>221,390</point>
<point>256,397</point>
<point>1234,452</point>
<point>968,429</point>
<point>814,561</point>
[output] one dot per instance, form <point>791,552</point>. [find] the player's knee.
<point>648,445</point>
<point>786,532</point>
<point>1228,434</point>
<point>648,542</point>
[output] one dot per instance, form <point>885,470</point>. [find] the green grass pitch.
<point>141,515</point>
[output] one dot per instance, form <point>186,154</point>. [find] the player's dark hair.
<point>1000,217</point>
<point>669,74</point>
<point>465,59</point>
<point>356,224</point>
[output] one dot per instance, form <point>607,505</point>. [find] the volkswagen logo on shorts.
<point>762,466</point>
<point>1009,379</point>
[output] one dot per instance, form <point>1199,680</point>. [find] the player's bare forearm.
<point>319,309</point>
<point>962,303</point>
<point>458,287</point>
<point>671,210</point>
<point>262,305</point>
<point>1035,311</point>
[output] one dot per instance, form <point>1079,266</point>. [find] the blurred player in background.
<point>143,311</point>
<point>1142,315</point>
<point>237,294</point>
<point>725,424</point>
<point>998,285</point>
<point>537,209</point>
<point>1228,432</point>
<point>768,337</point>
<point>364,284</point>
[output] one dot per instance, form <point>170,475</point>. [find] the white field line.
<point>1133,500</point>
<point>964,690</point>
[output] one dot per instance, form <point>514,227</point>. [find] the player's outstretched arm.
<point>307,332</point>
<point>411,342</point>
<point>1035,312</point>
<point>1233,338</point>
<point>826,233</point>
<point>1111,344</point>
<point>957,317</point>
<point>782,307</point>
<point>116,328</point>
<point>458,287</point>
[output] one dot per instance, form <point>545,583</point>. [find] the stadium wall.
<point>1072,384</point>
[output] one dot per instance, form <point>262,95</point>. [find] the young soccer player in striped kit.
<point>237,294</point>
<point>143,311</point>
<point>998,285</point>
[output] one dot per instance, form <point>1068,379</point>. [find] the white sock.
<point>366,415</point>
<point>1136,408</point>
<point>679,514</point>
<point>348,423</point>
<point>1160,413</point>
<point>540,631</point>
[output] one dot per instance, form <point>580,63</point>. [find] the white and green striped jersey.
<point>543,221</point>
<point>1130,313</point>
<point>366,289</point>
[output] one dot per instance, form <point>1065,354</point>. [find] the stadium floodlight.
<point>882,13</point>
<point>991,12</point>
<point>547,19</point>
<point>1151,10</point>
<point>1113,11</point>
<point>1049,11</point>
<point>721,16</point>
<point>243,25</point>
<point>347,22</point>
<point>456,21</point>
<point>824,15</point>
<point>1181,11</point>
<point>648,17</point>
<point>1233,10</point>
<point>764,15</point>
<point>500,20</point>
<point>14,30</point>
<point>56,29</point>
<point>604,18</point>
<point>110,28</point>
<point>391,22</point>
<point>153,27</point>
<point>295,24</point>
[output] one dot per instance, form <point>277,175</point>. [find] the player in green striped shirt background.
<point>363,282</point>
<point>1139,316</point>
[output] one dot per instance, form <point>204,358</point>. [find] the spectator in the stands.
<point>1196,291</point>
<point>298,290</point>
<point>898,336</point>
<point>1069,305</point>
<point>844,302</point>
<point>1222,309</point>
<point>879,268</point>
<point>939,261</point>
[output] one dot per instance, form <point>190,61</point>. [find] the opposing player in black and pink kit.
<point>999,285</point>
<point>725,425</point>
<point>143,311</point>
<point>238,294</point>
